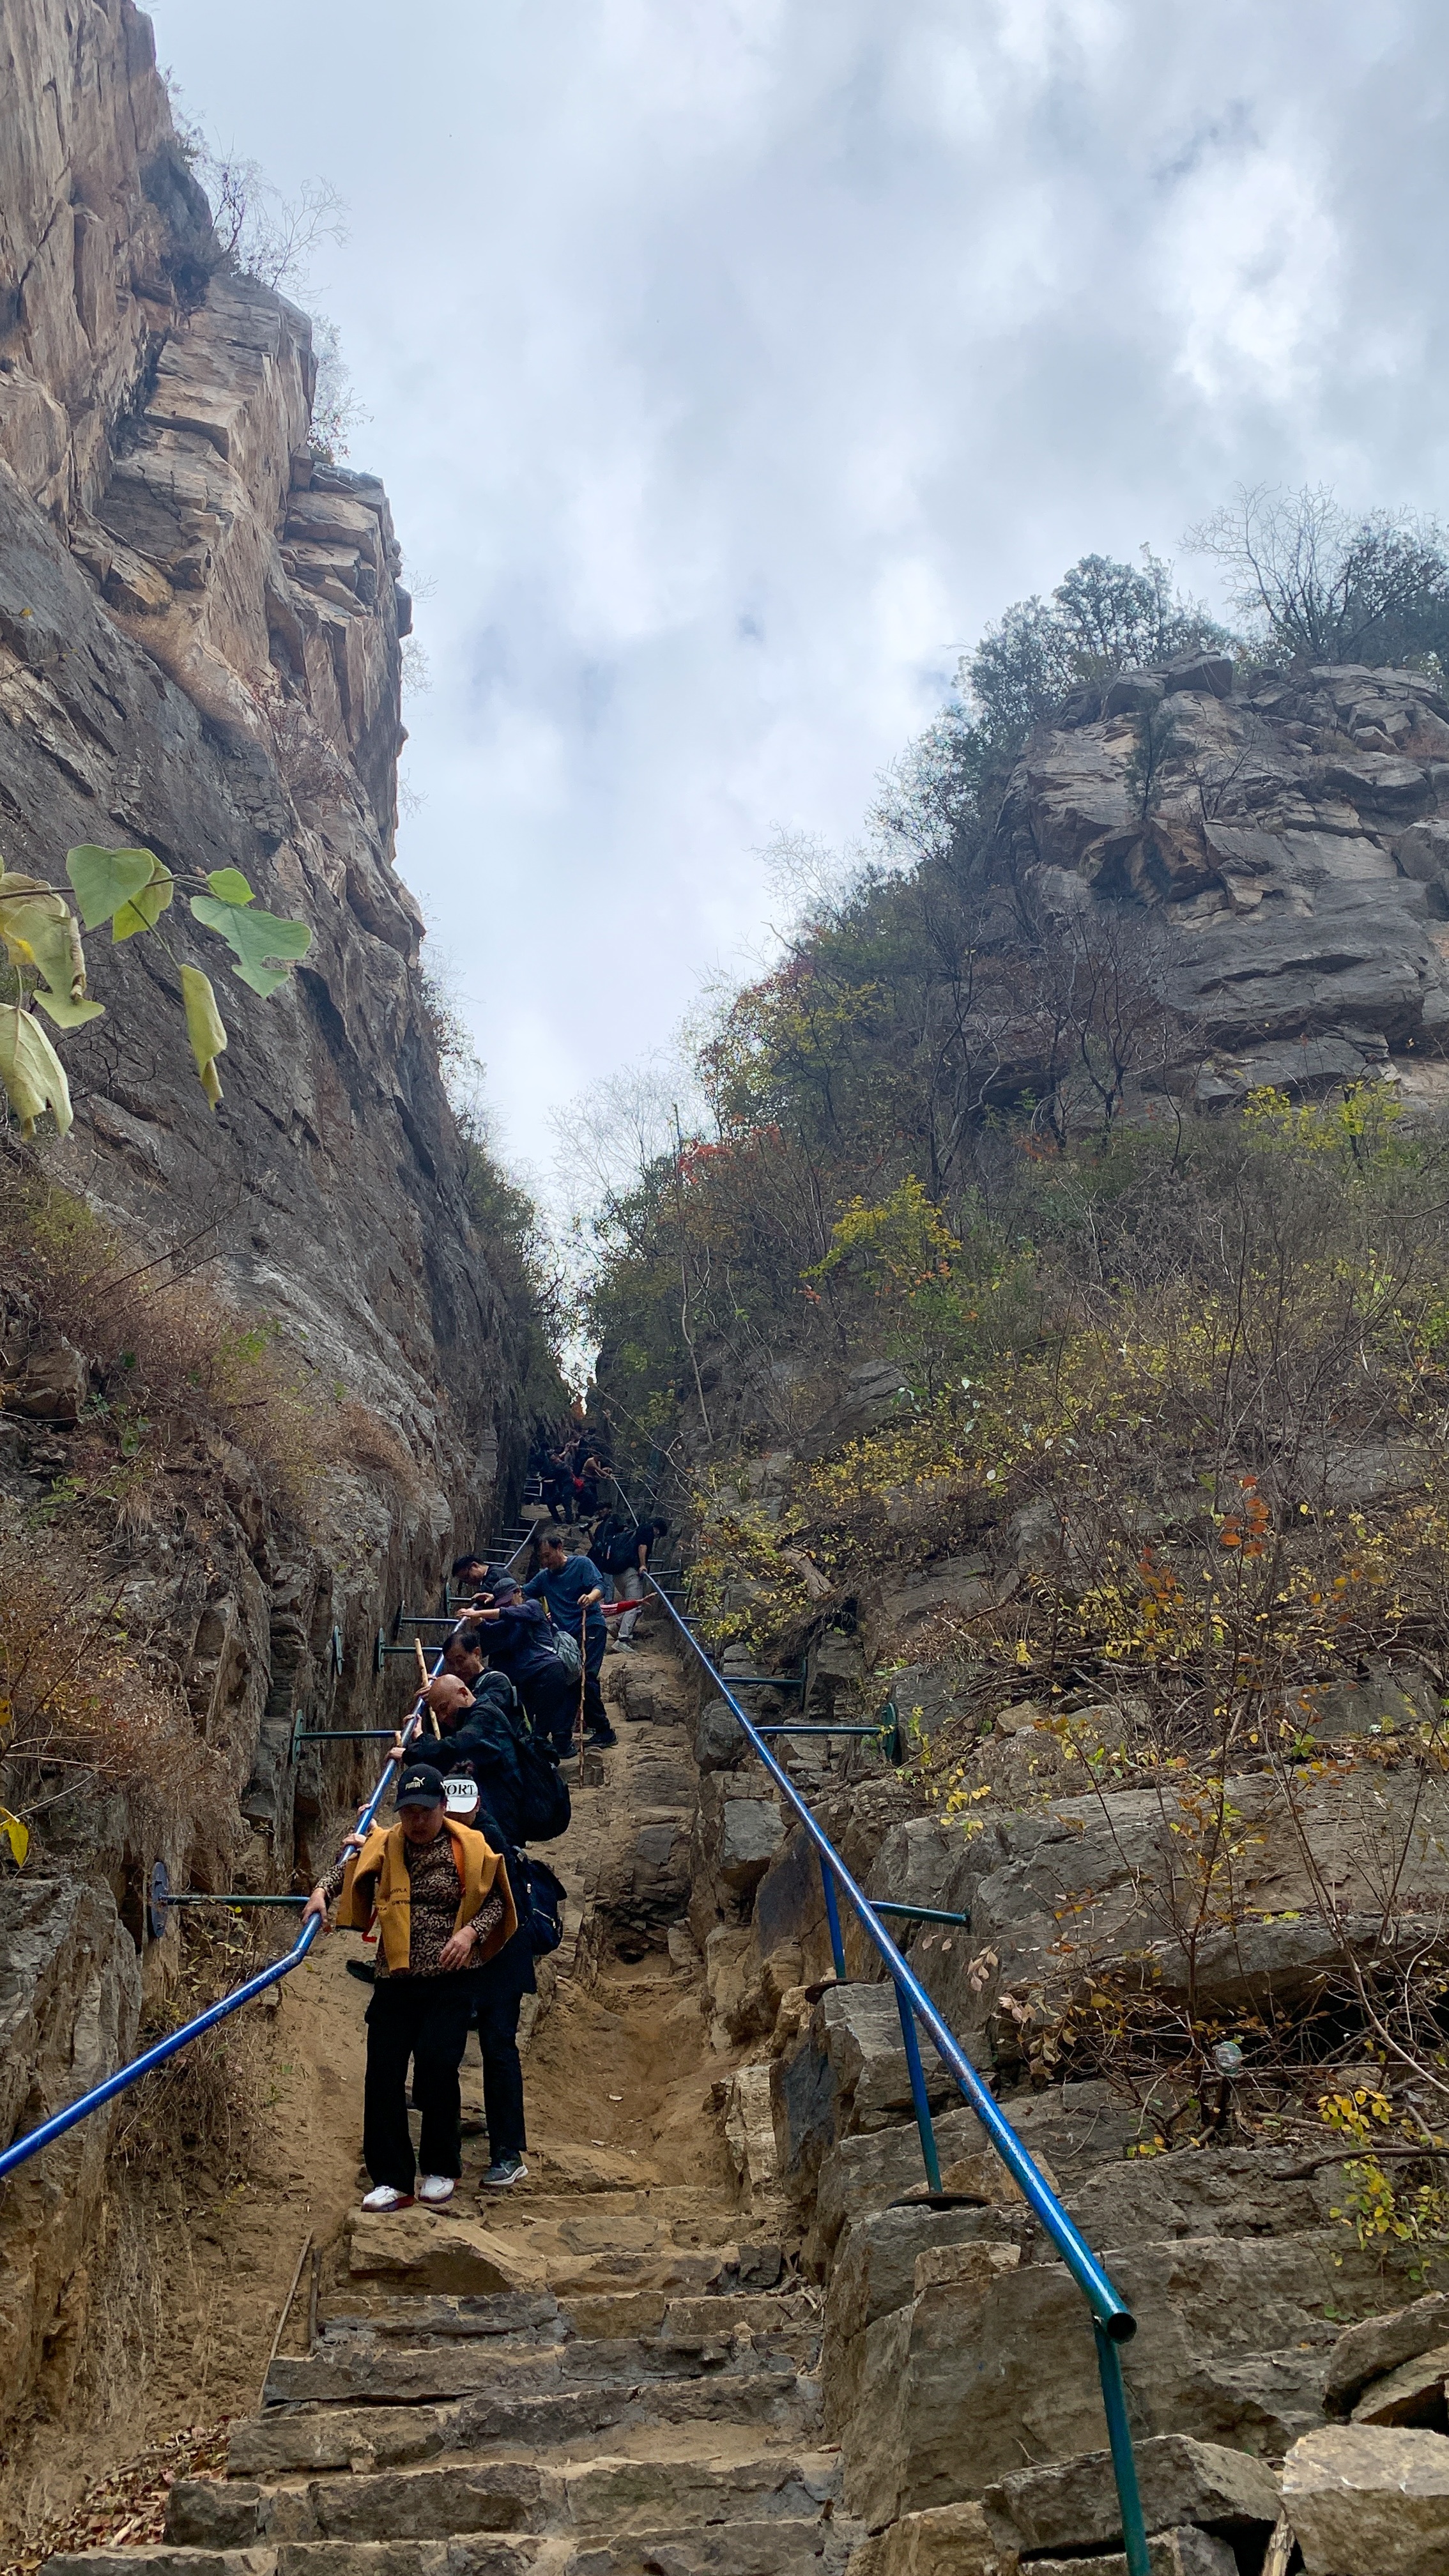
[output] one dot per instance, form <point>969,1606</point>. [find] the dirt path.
<point>618,2078</point>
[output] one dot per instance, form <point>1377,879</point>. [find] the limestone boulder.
<point>951,2540</point>
<point>1073,2505</point>
<point>874,2273</point>
<point>1368,2501</point>
<point>1415,2393</point>
<point>425,2249</point>
<point>847,2072</point>
<point>70,1999</point>
<point>52,1384</point>
<point>1380,2345</point>
<point>720,1742</point>
<point>1232,2350</point>
<point>1184,2552</point>
<point>1114,1864</point>
<point>751,1832</point>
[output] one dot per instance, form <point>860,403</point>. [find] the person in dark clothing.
<point>572,1588</point>
<point>629,1575</point>
<point>441,1898</point>
<point>517,1633</point>
<point>501,1987</point>
<point>476,1724</point>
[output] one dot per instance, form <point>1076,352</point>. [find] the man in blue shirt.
<point>573,1588</point>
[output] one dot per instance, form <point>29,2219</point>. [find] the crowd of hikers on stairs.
<point>458,1907</point>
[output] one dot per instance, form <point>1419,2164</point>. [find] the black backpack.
<point>540,1909</point>
<point>515,1773</point>
<point>620,1550</point>
<point>545,1811</point>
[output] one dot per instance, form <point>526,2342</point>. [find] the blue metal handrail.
<point>21,2150</point>
<point>1113,2323</point>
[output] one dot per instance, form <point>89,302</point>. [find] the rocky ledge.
<point>1286,837</point>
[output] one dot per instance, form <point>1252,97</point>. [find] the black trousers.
<point>552,1701</point>
<point>502,2071</point>
<point>424,2019</point>
<point>595,1713</point>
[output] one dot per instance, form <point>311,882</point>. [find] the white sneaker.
<point>384,2197</point>
<point>435,2187</point>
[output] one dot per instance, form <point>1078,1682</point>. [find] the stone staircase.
<point>637,2413</point>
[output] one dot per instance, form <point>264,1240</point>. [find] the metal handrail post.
<point>1075,2251</point>
<point>1113,2320</point>
<point>917,2073</point>
<point>832,1917</point>
<point>1119,2436</point>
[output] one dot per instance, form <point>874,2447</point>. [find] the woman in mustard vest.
<point>440,1897</point>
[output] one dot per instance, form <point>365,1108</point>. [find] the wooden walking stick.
<point>583,1685</point>
<point>424,1677</point>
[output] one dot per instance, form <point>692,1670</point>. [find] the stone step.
<point>304,2438</point>
<point>690,2476</point>
<point>504,2317</point>
<point>485,2554</point>
<point>632,2498</point>
<point>776,2545</point>
<point>352,2370</point>
<point>160,2558</point>
<point>481,2554</point>
<point>712,2317</point>
<point>677,2204</point>
<point>462,2250</point>
<point>678,2270</point>
<point>786,2545</point>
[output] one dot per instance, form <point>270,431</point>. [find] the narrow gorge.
<point>1029,1308</point>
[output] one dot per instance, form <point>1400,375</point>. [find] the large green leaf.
<point>204,1028</point>
<point>105,879</point>
<point>144,909</point>
<point>38,930</point>
<point>31,1071</point>
<point>230,886</point>
<point>254,936</point>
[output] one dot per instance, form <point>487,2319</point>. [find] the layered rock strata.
<point>1281,841</point>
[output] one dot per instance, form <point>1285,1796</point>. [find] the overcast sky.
<point>731,362</point>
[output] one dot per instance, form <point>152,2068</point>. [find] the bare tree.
<point>1320,585</point>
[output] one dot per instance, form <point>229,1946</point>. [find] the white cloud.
<point>731,365</point>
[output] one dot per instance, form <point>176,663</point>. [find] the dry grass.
<point>79,1709</point>
<point>128,2508</point>
<point>199,2115</point>
<point>170,1361</point>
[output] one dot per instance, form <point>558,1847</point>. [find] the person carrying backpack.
<point>504,1980</point>
<point>519,1642</point>
<point>630,1555</point>
<point>440,1896</point>
<point>573,1589</point>
<point>486,1732</point>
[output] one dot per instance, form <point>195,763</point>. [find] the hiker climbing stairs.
<point>603,2371</point>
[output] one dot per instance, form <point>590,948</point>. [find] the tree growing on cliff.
<point>1103,617</point>
<point>44,966</point>
<point>1317,584</point>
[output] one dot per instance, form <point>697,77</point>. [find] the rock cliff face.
<point>1287,842</point>
<point>199,652</point>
